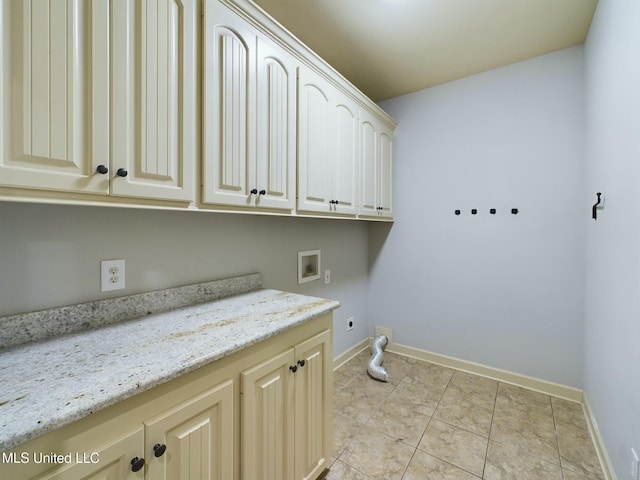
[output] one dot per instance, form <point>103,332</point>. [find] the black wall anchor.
<point>594,211</point>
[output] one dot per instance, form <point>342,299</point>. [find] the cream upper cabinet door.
<point>112,461</point>
<point>344,159</point>
<point>229,103</point>
<point>274,170</point>
<point>313,410</point>
<point>385,165</point>
<point>369,164</point>
<point>328,147</point>
<point>193,440</point>
<point>267,436</point>
<point>376,145</point>
<point>314,137</point>
<point>54,94</point>
<point>153,98</point>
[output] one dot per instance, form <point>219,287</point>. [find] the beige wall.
<point>50,255</point>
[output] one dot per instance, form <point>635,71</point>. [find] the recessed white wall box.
<point>111,275</point>
<point>308,266</point>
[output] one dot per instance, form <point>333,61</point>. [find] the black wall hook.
<point>594,212</point>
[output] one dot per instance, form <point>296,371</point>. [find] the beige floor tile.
<point>422,399</point>
<point>397,366</point>
<point>377,455</point>
<point>466,415</point>
<point>478,395</point>
<point>426,467</point>
<point>570,475</point>
<point>579,455</point>
<point>344,429</point>
<point>514,398</point>
<point>459,447</point>
<point>474,382</point>
<point>570,419</point>
<point>354,368</point>
<point>430,376</point>
<point>537,439</point>
<point>526,435</point>
<point>342,471</point>
<point>507,463</point>
<point>397,418</point>
<point>360,397</point>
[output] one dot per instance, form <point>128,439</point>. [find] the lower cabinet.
<point>286,427</point>
<point>109,462</point>
<point>264,412</point>
<point>193,440</point>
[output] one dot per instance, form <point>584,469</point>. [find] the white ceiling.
<point>388,48</point>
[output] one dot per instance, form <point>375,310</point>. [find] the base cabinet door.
<point>267,421</point>
<point>286,414</point>
<point>313,420</point>
<point>193,440</point>
<point>112,461</point>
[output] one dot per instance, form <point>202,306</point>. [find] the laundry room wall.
<point>502,290</point>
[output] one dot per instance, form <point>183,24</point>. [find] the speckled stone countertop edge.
<point>44,324</point>
<point>206,333</point>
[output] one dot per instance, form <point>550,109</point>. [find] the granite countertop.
<point>51,383</point>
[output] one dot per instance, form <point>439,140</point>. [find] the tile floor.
<point>433,422</point>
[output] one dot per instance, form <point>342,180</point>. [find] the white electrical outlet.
<point>327,277</point>
<point>112,275</point>
<point>350,323</point>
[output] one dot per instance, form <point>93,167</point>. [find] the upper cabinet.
<point>208,105</point>
<point>153,120</point>
<point>54,95</point>
<point>249,102</point>
<point>376,145</point>
<point>99,97</point>
<point>327,148</point>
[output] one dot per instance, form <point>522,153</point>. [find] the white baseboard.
<point>601,451</point>
<point>531,383</point>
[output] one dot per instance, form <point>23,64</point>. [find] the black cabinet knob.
<point>293,368</point>
<point>253,191</point>
<point>122,172</point>
<point>136,464</point>
<point>301,363</point>
<point>159,449</point>
<point>102,169</point>
<point>262,192</point>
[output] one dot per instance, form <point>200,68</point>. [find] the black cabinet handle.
<point>122,172</point>
<point>262,192</point>
<point>253,191</point>
<point>102,169</point>
<point>301,363</point>
<point>293,368</point>
<point>159,449</point>
<point>136,464</point>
